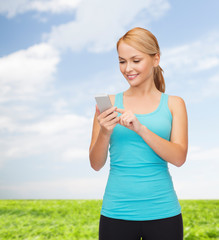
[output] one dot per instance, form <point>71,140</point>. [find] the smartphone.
<point>103,102</point>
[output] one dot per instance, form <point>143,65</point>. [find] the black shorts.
<point>162,229</point>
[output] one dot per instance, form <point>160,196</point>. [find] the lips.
<point>132,76</point>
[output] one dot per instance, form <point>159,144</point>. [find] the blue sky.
<point>55,55</point>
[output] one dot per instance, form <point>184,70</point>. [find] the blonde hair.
<point>144,41</point>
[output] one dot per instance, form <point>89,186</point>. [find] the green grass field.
<point>79,219</point>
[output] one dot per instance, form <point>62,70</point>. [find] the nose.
<point>128,67</point>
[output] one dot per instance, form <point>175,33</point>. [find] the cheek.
<point>147,68</point>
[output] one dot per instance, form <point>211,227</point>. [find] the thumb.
<point>97,110</point>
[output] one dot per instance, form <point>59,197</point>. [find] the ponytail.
<point>159,79</point>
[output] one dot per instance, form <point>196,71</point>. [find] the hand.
<point>107,120</point>
<point>129,120</point>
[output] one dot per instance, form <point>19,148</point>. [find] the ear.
<point>156,59</point>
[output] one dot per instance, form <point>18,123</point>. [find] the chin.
<point>134,84</point>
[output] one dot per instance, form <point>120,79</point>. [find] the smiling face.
<point>136,67</point>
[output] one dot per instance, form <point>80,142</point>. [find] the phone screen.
<point>103,102</point>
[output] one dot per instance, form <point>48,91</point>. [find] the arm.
<point>98,150</point>
<point>173,151</point>
<point>103,125</point>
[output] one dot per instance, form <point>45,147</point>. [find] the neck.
<point>147,89</point>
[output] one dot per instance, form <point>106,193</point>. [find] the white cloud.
<point>55,6</point>
<point>200,187</point>
<point>204,154</point>
<point>75,154</point>
<point>99,23</point>
<point>13,7</point>
<point>6,124</point>
<point>193,57</point>
<point>63,138</point>
<point>198,177</point>
<point>191,69</point>
<point>26,72</point>
<point>56,124</point>
<point>75,188</point>
<point>194,180</point>
<point>210,88</point>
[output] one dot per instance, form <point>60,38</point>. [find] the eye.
<point>136,61</point>
<point>121,62</point>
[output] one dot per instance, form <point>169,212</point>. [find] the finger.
<point>125,120</point>
<point>120,110</point>
<point>115,123</point>
<point>111,116</point>
<point>125,116</point>
<point>106,120</point>
<point>115,120</point>
<point>122,122</point>
<point>108,111</point>
<point>112,121</point>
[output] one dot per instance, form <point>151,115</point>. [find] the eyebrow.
<point>131,57</point>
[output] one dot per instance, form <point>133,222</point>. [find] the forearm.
<point>171,152</point>
<point>99,151</point>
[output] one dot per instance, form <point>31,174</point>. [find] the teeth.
<point>132,76</point>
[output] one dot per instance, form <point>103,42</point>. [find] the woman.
<point>146,129</point>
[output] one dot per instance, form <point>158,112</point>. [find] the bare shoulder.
<point>176,104</point>
<point>112,99</point>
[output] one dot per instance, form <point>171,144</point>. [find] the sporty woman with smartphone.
<point>144,130</point>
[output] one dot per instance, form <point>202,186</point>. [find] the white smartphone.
<point>103,102</point>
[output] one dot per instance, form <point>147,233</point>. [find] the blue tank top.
<point>139,185</point>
